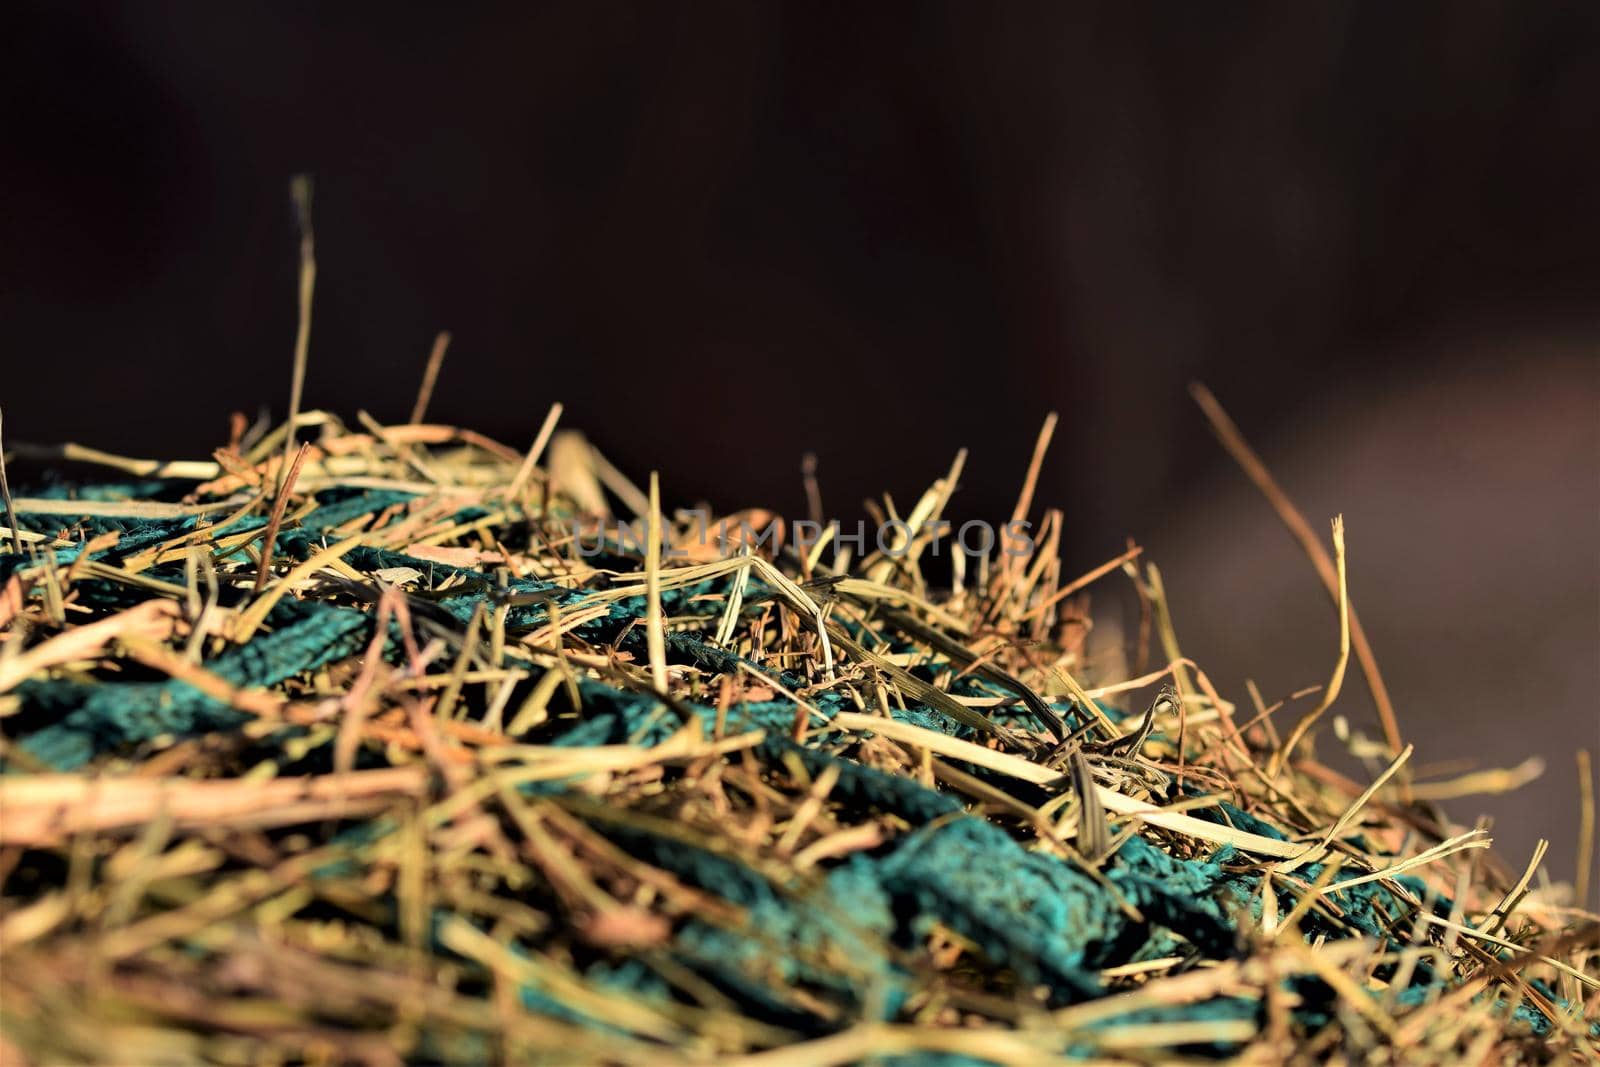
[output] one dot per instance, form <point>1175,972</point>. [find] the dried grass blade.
<point>1233,441</point>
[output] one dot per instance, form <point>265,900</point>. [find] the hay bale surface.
<point>389,746</point>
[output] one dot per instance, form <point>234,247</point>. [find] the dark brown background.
<point>724,235</point>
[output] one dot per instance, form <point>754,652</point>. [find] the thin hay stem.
<point>1233,441</point>
<point>655,626</point>
<point>300,196</point>
<point>539,442</point>
<point>430,376</point>
<point>1586,821</point>
<point>5,492</point>
<point>269,540</point>
<point>1078,583</point>
<point>1331,692</point>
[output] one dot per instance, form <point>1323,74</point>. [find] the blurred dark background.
<point>727,234</point>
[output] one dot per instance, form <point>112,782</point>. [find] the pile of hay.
<point>383,747</point>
